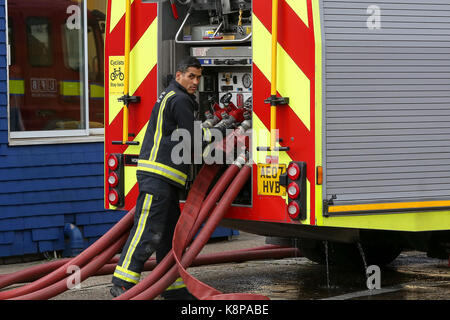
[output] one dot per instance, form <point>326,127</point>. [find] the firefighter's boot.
<point>177,291</point>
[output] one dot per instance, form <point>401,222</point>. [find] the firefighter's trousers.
<point>157,213</point>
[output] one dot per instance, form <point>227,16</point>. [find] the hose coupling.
<point>241,160</point>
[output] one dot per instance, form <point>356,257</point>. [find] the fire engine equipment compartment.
<point>218,34</point>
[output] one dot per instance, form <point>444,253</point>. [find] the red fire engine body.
<point>335,196</point>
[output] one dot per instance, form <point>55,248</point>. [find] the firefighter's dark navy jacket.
<point>174,109</point>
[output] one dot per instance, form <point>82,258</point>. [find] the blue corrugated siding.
<point>44,187</point>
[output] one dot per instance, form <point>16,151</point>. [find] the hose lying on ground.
<point>195,287</point>
<point>264,252</point>
<point>195,212</point>
<point>57,287</point>
<point>124,225</point>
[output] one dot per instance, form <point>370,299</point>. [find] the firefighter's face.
<point>189,79</point>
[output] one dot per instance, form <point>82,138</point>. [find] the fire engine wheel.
<point>348,254</point>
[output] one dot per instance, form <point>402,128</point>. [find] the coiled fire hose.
<point>195,211</point>
<point>197,288</point>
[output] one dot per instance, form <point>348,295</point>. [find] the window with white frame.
<point>56,67</point>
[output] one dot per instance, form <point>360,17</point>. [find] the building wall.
<point>43,187</point>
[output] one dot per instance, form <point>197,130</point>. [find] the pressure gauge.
<point>247,80</point>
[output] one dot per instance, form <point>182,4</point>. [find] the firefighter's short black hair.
<point>188,62</point>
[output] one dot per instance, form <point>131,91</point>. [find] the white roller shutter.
<point>386,101</point>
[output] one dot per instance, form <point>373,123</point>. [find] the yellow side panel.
<point>422,221</point>
<point>318,107</point>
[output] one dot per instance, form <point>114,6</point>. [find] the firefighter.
<point>159,180</point>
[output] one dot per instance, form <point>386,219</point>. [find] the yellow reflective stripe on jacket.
<point>16,86</point>
<point>207,134</point>
<point>158,132</point>
<point>163,170</point>
<point>139,230</point>
<point>178,284</point>
<point>126,275</point>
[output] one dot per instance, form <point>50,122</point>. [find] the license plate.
<point>268,179</point>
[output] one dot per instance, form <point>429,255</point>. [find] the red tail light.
<point>113,162</point>
<point>293,210</point>
<point>293,171</point>
<point>296,190</point>
<point>293,190</point>
<point>113,179</point>
<point>113,197</point>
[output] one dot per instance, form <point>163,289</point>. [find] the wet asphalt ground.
<point>412,276</point>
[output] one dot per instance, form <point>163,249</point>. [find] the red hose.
<point>31,273</point>
<point>35,272</point>
<point>184,226</point>
<point>85,272</point>
<point>199,289</point>
<point>99,246</point>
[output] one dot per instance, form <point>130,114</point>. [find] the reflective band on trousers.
<point>126,275</point>
<point>139,230</point>
<point>161,169</point>
<point>178,284</point>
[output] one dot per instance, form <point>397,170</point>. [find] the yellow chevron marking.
<point>139,137</point>
<point>142,60</point>
<point>114,107</point>
<point>117,12</point>
<point>130,171</point>
<point>292,82</point>
<point>300,7</point>
<point>261,137</point>
<point>130,179</point>
<point>143,57</point>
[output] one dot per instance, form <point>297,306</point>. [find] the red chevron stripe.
<point>295,135</point>
<point>139,113</point>
<point>292,130</point>
<point>293,35</point>
<point>142,16</point>
<point>298,41</point>
<point>130,199</point>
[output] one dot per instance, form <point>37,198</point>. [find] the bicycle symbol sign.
<point>116,74</point>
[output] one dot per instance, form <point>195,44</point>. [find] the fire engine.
<point>348,103</point>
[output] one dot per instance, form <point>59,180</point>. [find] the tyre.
<point>348,254</point>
